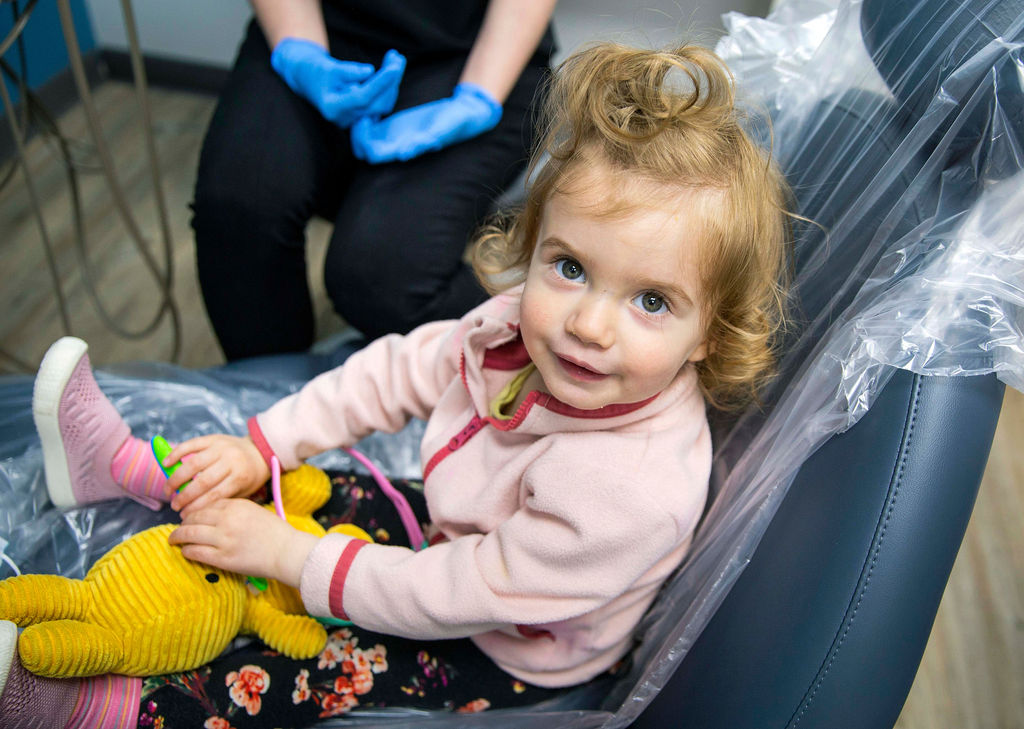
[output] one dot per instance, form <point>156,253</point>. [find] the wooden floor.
<point>972,674</point>
<point>123,283</point>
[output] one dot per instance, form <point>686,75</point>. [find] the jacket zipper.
<point>472,428</point>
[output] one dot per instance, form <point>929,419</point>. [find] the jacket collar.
<point>512,355</point>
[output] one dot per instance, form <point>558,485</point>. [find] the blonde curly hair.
<point>670,117</point>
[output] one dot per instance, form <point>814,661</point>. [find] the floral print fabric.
<point>252,686</point>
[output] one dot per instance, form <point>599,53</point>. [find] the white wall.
<point>199,31</point>
<point>649,23</point>
<point>208,31</point>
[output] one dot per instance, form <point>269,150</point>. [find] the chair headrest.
<point>918,45</point>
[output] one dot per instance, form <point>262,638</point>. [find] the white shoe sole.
<point>54,372</point>
<point>8,650</point>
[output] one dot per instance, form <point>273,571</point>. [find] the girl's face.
<point>612,307</point>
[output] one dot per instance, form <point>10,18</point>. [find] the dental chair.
<point>839,506</point>
<point>826,625</point>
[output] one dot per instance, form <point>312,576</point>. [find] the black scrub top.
<point>421,30</point>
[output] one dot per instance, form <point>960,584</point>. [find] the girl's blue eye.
<point>569,269</point>
<point>651,303</point>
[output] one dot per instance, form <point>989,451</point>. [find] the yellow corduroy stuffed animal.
<point>144,610</point>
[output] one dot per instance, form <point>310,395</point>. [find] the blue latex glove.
<point>342,91</point>
<point>409,133</point>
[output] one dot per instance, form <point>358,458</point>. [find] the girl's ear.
<point>701,351</point>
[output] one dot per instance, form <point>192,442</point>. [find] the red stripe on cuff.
<point>336,593</point>
<point>259,440</point>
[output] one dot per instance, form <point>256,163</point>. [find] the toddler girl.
<point>566,455</point>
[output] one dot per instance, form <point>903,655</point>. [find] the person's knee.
<point>372,299</point>
<point>394,265</point>
<point>216,200</point>
<point>233,212</point>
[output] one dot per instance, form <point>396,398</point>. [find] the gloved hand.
<point>343,91</point>
<point>468,112</point>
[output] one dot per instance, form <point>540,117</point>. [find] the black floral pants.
<point>253,686</point>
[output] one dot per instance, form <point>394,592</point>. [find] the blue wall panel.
<point>45,52</point>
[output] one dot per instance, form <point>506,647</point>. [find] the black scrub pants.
<point>270,162</point>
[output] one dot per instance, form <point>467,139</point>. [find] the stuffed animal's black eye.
<point>212,577</point>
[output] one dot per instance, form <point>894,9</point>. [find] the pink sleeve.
<point>325,573</point>
<point>380,387</point>
<point>575,545</point>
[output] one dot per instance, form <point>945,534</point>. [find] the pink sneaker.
<point>8,650</point>
<point>79,428</point>
<point>28,701</point>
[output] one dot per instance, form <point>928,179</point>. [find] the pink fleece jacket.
<point>561,524</point>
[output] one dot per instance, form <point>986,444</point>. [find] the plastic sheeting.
<point>899,125</point>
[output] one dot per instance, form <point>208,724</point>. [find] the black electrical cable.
<point>36,116</point>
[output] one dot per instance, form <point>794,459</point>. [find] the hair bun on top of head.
<point>618,94</point>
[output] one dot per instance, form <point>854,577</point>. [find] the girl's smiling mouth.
<point>578,370</point>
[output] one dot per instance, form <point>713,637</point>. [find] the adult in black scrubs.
<point>405,187</point>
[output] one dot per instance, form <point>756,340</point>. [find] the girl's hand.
<point>240,536</point>
<point>219,467</point>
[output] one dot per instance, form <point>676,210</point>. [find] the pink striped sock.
<point>134,467</point>
<point>107,702</point>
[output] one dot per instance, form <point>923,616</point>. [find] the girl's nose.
<point>593,321</point>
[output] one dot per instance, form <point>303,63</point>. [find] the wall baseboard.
<point>167,73</point>
<point>60,93</point>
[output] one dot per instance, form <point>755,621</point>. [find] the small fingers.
<point>196,502</point>
<point>195,532</point>
<point>187,470</point>
<point>211,476</point>
<point>220,535</point>
<point>198,496</point>
<point>200,553</point>
<point>189,447</point>
<point>200,543</point>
